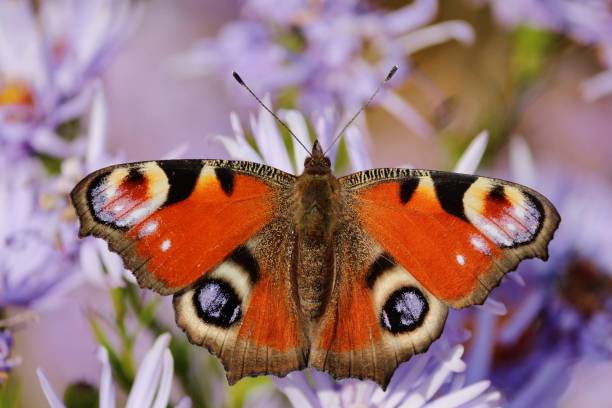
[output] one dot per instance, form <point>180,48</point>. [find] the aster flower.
<point>151,387</point>
<point>433,379</point>
<point>47,60</point>
<point>563,314</point>
<point>7,361</point>
<point>99,265</point>
<point>334,53</point>
<point>35,258</point>
<point>587,22</point>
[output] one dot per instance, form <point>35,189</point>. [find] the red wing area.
<point>243,311</point>
<point>172,221</point>
<point>456,234</point>
<point>378,314</point>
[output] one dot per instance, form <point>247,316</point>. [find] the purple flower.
<point>588,22</point>
<point>7,361</point>
<point>36,259</point>
<point>151,387</point>
<point>563,313</point>
<point>433,379</point>
<point>48,58</point>
<point>334,53</point>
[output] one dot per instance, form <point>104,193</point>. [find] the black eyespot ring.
<point>216,302</point>
<point>404,311</point>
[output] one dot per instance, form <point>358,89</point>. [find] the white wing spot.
<point>149,228</point>
<point>480,245</point>
<point>165,245</point>
<point>460,259</point>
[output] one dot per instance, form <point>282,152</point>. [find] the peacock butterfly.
<point>273,272</point>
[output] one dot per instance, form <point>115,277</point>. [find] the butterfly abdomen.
<point>316,202</point>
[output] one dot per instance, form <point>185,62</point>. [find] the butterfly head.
<point>317,162</point>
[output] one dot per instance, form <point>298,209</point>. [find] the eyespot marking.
<point>217,303</point>
<point>243,257</point>
<point>404,311</point>
<point>383,263</point>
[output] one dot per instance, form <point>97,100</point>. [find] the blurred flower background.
<point>84,84</point>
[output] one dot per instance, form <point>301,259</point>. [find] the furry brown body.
<point>316,207</point>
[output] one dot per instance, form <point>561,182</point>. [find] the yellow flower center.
<point>16,93</point>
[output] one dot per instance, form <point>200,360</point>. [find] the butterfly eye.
<point>216,302</point>
<point>405,310</point>
<point>328,162</point>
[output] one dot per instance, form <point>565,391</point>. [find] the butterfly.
<point>274,273</point>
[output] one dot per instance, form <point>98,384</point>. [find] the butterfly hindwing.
<point>378,315</point>
<point>242,310</point>
<point>456,234</point>
<point>172,221</point>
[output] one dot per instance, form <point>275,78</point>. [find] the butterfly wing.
<point>410,244</point>
<point>456,234</point>
<point>378,314</point>
<point>171,221</point>
<point>203,230</point>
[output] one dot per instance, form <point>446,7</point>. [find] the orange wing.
<point>203,230</point>
<point>456,234</point>
<point>172,221</point>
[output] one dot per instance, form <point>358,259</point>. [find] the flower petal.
<point>470,159</point>
<point>148,376</point>
<point>52,398</point>
<point>165,385</point>
<point>107,389</point>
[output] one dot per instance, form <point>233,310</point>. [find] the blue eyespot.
<point>404,311</point>
<point>216,302</point>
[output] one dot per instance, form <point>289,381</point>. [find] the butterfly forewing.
<point>172,221</point>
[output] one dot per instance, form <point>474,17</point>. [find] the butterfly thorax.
<point>316,200</point>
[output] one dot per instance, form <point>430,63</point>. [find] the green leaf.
<point>10,393</point>
<point>531,49</point>
<point>81,395</point>
<point>239,391</point>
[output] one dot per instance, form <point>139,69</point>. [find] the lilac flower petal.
<point>297,124</point>
<point>238,150</point>
<point>269,140</point>
<point>412,16</point>
<point>521,162</point>
<point>547,374</point>
<point>107,389</point>
<point>450,362</point>
<point>98,127</point>
<point>405,376</point>
<point>521,318</point>
<point>460,397</point>
<point>357,147</point>
<point>148,376</point>
<point>517,278</point>
<point>495,307</point>
<point>165,385</point>
<point>406,114</point>
<point>184,402</point>
<point>479,358</point>
<point>325,388</point>
<point>177,152</point>
<point>470,159</point>
<point>437,34</point>
<point>297,389</point>
<point>52,398</point>
<point>597,87</point>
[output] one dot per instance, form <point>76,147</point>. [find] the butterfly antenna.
<point>241,82</point>
<point>365,105</point>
